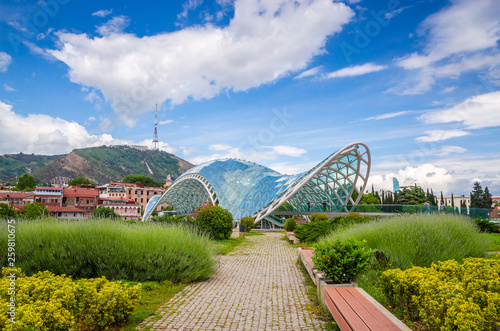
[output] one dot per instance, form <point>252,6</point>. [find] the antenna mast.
<point>155,136</point>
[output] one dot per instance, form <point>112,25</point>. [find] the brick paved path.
<point>257,287</point>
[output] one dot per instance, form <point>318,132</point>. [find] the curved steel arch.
<point>249,189</point>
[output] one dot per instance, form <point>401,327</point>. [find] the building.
<point>142,194</point>
<point>84,198</point>
<point>248,189</point>
<point>125,207</point>
<point>112,190</point>
<point>17,200</point>
<point>457,200</point>
<point>67,212</point>
<point>49,196</point>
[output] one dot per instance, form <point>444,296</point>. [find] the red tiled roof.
<point>65,209</point>
<point>49,188</point>
<point>16,195</point>
<point>81,192</point>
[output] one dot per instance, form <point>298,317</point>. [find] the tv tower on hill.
<point>155,136</point>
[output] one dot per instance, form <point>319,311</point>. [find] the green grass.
<point>153,295</point>
<point>114,249</point>
<point>224,247</point>
<point>494,244</point>
<point>419,239</point>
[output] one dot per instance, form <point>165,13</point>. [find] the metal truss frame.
<point>333,180</point>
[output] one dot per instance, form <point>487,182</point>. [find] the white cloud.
<point>478,112</point>
<point>5,60</point>
<point>9,88</point>
<point>114,26</point>
<point>187,150</point>
<point>219,147</point>
<point>263,42</point>
<point>388,115</point>
<point>287,150</point>
<point>292,168</point>
<point>425,175</point>
<point>308,73</point>
<point>265,153</point>
<point>189,5</point>
<point>46,134</point>
<point>449,89</point>
<point>91,118</point>
<point>460,38</point>
<point>447,150</point>
<point>161,145</point>
<point>356,70</point>
<point>102,12</point>
<point>353,2</point>
<point>42,35</point>
<point>165,122</point>
<point>394,13</point>
<point>438,135</point>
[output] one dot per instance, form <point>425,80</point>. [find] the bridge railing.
<point>485,213</point>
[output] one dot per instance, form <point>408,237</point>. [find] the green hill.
<point>102,165</point>
<point>15,165</point>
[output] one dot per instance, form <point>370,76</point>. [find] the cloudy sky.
<point>280,82</point>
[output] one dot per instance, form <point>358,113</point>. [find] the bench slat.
<point>367,311</point>
<point>341,322</point>
<point>348,313</point>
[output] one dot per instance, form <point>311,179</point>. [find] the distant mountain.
<point>100,164</point>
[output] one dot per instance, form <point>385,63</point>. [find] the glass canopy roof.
<point>248,189</point>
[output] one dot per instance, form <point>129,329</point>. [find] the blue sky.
<point>281,83</point>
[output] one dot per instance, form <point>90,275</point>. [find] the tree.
<point>433,198</point>
<point>79,181</point>
<point>477,196</point>
<point>452,201</point>
<point>442,198</point>
<point>7,212</point>
<point>141,179</point>
<point>25,183</point>
<point>35,210</point>
<point>105,212</point>
<point>411,195</point>
<point>369,199</point>
<point>487,200</point>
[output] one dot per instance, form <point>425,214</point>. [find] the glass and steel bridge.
<point>248,189</point>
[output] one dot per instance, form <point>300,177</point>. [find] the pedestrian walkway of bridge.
<point>256,287</point>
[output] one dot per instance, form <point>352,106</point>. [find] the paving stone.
<point>256,287</point>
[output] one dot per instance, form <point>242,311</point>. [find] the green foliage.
<point>216,222</point>
<point>341,260</point>
<point>7,212</point>
<point>419,239</point>
<point>141,179</point>
<point>116,250</point>
<point>411,195</point>
<point>25,183</point>
<point>480,198</point>
<point>447,295</point>
<point>290,224</point>
<point>35,210</point>
<point>45,301</point>
<point>105,212</point>
<point>319,217</point>
<point>487,226</point>
<point>249,223</point>
<point>180,219</point>
<point>15,165</point>
<point>79,181</point>
<point>312,231</point>
<point>369,199</point>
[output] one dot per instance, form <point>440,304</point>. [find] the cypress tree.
<point>487,200</point>
<point>442,199</point>
<point>452,201</point>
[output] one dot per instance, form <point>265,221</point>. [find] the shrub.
<point>487,226</point>
<point>419,239</point>
<point>216,222</point>
<point>48,302</point>
<point>447,295</point>
<point>105,212</point>
<point>340,260</point>
<point>312,231</point>
<point>318,217</point>
<point>116,250</point>
<point>248,222</point>
<point>290,224</point>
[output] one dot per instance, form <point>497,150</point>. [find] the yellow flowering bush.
<point>46,301</point>
<point>447,295</point>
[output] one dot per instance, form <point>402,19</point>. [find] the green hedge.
<point>312,231</point>
<point>290,224</point>
<point>215,221</point>
<point>116,250</point>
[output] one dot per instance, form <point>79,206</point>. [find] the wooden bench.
<point>291,236</point>
<point>354,309</point>
<point>306,258</point>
